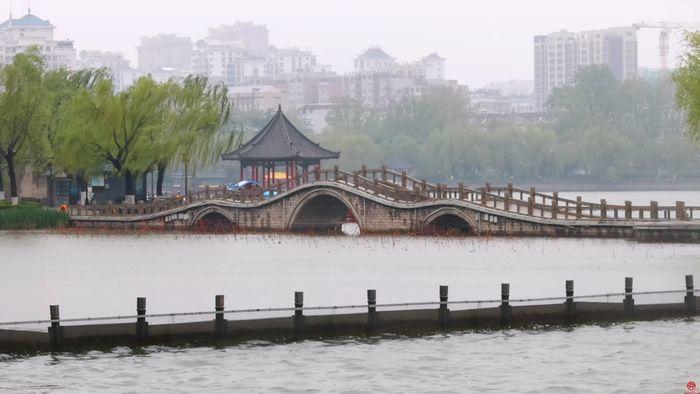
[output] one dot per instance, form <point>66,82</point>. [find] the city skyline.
<point>504,41</point>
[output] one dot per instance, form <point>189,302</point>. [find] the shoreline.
<point>623,186</point>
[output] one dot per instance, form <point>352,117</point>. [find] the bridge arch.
<point>213,218</point>
<point>448,220</point>
<point>322,209</point>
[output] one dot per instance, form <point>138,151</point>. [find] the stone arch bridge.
<point>384,201</point>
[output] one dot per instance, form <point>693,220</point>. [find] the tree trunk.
<point>82,189</point>
<point>161,177</point>
<point>2,186</point>
<point>144,184</point>
<point>10,159</point>
<point>129,187</point>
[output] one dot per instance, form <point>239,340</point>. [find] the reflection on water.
<point>103,275</point>
<point>630,357</point>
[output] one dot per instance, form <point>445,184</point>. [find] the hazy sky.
<point>482,40</point>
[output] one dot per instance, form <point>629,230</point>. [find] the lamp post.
<point>187,190</point>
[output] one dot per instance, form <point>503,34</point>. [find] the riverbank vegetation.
<point>599,130</point>
<point>29,216</point>
<point>77,123</point>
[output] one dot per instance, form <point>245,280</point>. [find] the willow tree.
<point>194,116</point>
<point>22,108</point>
<point>687,78</point>
<point>61,87</point>
<point>110,127</point>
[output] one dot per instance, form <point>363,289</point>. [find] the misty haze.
<point>395,196</point>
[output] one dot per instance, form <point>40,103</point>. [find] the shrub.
<point>30,216</point>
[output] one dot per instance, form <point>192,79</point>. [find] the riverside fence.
<point>376,318</point>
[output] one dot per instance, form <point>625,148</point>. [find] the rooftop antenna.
<point>29,7</point>
<point>10,9</point>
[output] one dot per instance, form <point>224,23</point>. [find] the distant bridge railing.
<point>399,186</point>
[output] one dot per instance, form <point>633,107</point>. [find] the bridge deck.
<point>403,193</point>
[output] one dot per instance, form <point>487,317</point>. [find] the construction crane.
<point>666,29</point>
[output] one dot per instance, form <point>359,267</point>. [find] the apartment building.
<point>165,51</point>
<point>18,35</point>
<point>558,57</point>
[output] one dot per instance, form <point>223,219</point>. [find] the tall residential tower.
<point>558,56</point>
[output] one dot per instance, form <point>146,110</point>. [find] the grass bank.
<point>28,216</point>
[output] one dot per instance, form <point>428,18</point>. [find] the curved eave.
<point>236,157</point>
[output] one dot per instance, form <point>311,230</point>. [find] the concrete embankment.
<point>408,322</point>
<point>429,317</point>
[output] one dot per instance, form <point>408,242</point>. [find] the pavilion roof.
<point>280,140</point>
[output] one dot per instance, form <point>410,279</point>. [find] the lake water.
<point>103,275</point>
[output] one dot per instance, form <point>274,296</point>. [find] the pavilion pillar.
<point>305,172</point>
<point>264,175</point>
<point>242,168</point>
<point>269,175</point>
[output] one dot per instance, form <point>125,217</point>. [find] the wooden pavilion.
<point>279,144</point>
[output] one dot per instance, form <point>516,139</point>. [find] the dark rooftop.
<point>376,53</point>
<point>280,140</point>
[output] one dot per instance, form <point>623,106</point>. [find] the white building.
<point>212,57</point>
<point>115,63</point>
<point>375,60</point>
<point>255,98</point>
<point>18,35</point>
<point>380,80</point>
<point>165,51</point>
<point>253,37</point>
<point>493,101</point>
<point>434,66</point>
<point>282,62</point>
<point>99,59</point>
<point>558,57</point>
<point>315,115</point>
<point>245,71</point>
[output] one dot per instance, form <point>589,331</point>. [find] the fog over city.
<point>350,196</point>
<point>481,41</point>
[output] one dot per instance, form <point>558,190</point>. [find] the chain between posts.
<point>351,306</point>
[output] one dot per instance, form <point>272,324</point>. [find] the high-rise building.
<point>165,51</point>
<point>213,57</point>
<point>284,62</point>
<point>18,35</point>
<point>380,80</point>
<point>118,67</point>
<point>558,56</point>
<point>99,59</point>
<point>255,38</point>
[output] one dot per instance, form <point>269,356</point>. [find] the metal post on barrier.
<point>298,313</point>
<point>55,330</point>
<point>444,311</point>
<point>570,305</point>
<point>690,300</point>
<point>141,324</point>
<point>629,301</point>
<point>505,304</point>
<point>372,318</point>
<point>220,324</point>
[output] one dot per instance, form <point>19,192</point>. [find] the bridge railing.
<point>399,186</point>
<point>122,209</point>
